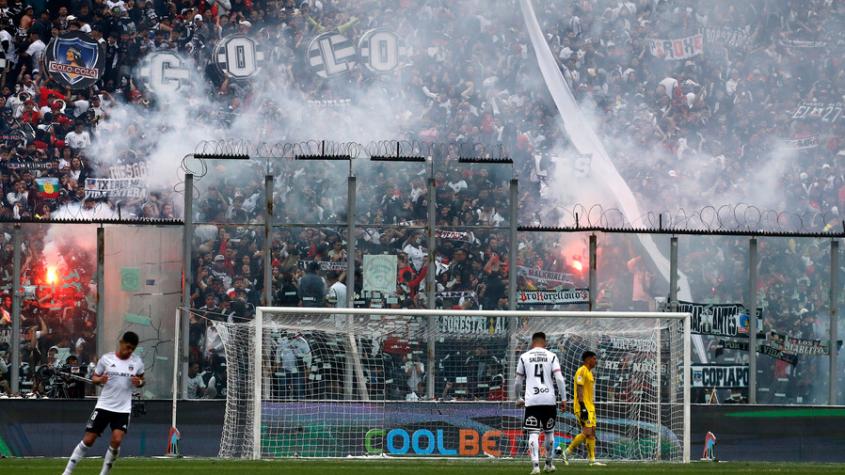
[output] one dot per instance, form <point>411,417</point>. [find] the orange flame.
<point>52,275</point>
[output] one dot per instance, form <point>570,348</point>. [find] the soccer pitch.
<point>370,467</point>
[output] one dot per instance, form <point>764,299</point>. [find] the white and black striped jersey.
<point>540,368</point>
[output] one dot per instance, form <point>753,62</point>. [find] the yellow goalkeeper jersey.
<point>584,379</point>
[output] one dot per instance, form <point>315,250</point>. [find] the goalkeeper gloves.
<point>585,416</point>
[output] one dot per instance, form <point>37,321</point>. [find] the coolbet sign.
<point>470,442</point>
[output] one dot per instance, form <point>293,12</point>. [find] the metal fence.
<point>466,236</point>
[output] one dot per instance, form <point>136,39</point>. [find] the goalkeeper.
<point>585,409</point>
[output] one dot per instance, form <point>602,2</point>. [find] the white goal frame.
<point>329,311</point>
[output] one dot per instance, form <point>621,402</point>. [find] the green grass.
<point>39,466</point>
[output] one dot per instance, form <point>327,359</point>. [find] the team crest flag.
<point>48,187</point>
<point>75,60</point>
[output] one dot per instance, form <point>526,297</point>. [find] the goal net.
<point>315,382</point>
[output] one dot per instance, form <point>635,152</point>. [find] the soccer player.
<point>118,372</point>
<point>584,408</point>
<point>536,368</point>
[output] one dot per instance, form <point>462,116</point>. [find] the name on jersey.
<point>538,359</point>
<point>116,373</point>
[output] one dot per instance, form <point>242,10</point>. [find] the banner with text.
<point>115,188</point>
<point>827,112</point>
<point>800,346</point>
<point>727,36</point>
<point>721,319</point>
<point>461,325</point>
<point>553,297</point>
<point>765,348</point>
<point>674,49</point>
<point>544,275</point>
<point>719,376</point>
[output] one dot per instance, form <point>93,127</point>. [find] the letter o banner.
<point>382,51</point>
<point>238,56</point>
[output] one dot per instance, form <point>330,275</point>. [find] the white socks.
<point>549,446</point>
<point>534,447</point>
<point>78,453</point>
<point>108,461</point>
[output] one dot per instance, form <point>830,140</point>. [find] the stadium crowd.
<point>708,123</point>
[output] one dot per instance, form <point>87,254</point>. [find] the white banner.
<point>325,266</point>
<point>115,188</point>
<point>803,143</point>
<point>545,275</point>
<point>824,111</point>
<point>719,376</point>
<point>380,273</point>
<point>553,297</point>
<point>463,236</point>
<point>679,48</point>
<point>727,36</point>
<point>790,43</point>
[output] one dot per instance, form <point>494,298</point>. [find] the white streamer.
<point>587,142</point>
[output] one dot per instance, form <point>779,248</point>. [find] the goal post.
<point>288,376</point>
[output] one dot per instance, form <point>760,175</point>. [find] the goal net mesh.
<point>388,385</point>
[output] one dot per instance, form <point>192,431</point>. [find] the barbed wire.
<point>739,217</point>
<point>727,218</point>
<point>379,148</point>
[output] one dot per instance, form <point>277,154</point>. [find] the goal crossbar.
<point>470,313</point>
<point>684,318</point>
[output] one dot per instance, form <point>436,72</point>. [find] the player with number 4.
<point>536,368</point>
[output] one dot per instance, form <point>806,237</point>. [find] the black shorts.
<point>540,418</point>
<point>101,418</point>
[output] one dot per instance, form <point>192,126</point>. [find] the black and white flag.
<point>330,54</point>
<point>239,56</point>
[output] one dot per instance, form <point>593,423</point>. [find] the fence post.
<point>351,246</point>
<point>751,306</point>
<point>673,307</point>
<point>431,284</point>
<point>17,290</point>
<point>834,320</point>
<point>348,377</point>
<point>673,274</point>
<point>187,279</point>
<point>513,322</point>
<point>101,289</point>
<point>593,271</point>
<point>267,252</point>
